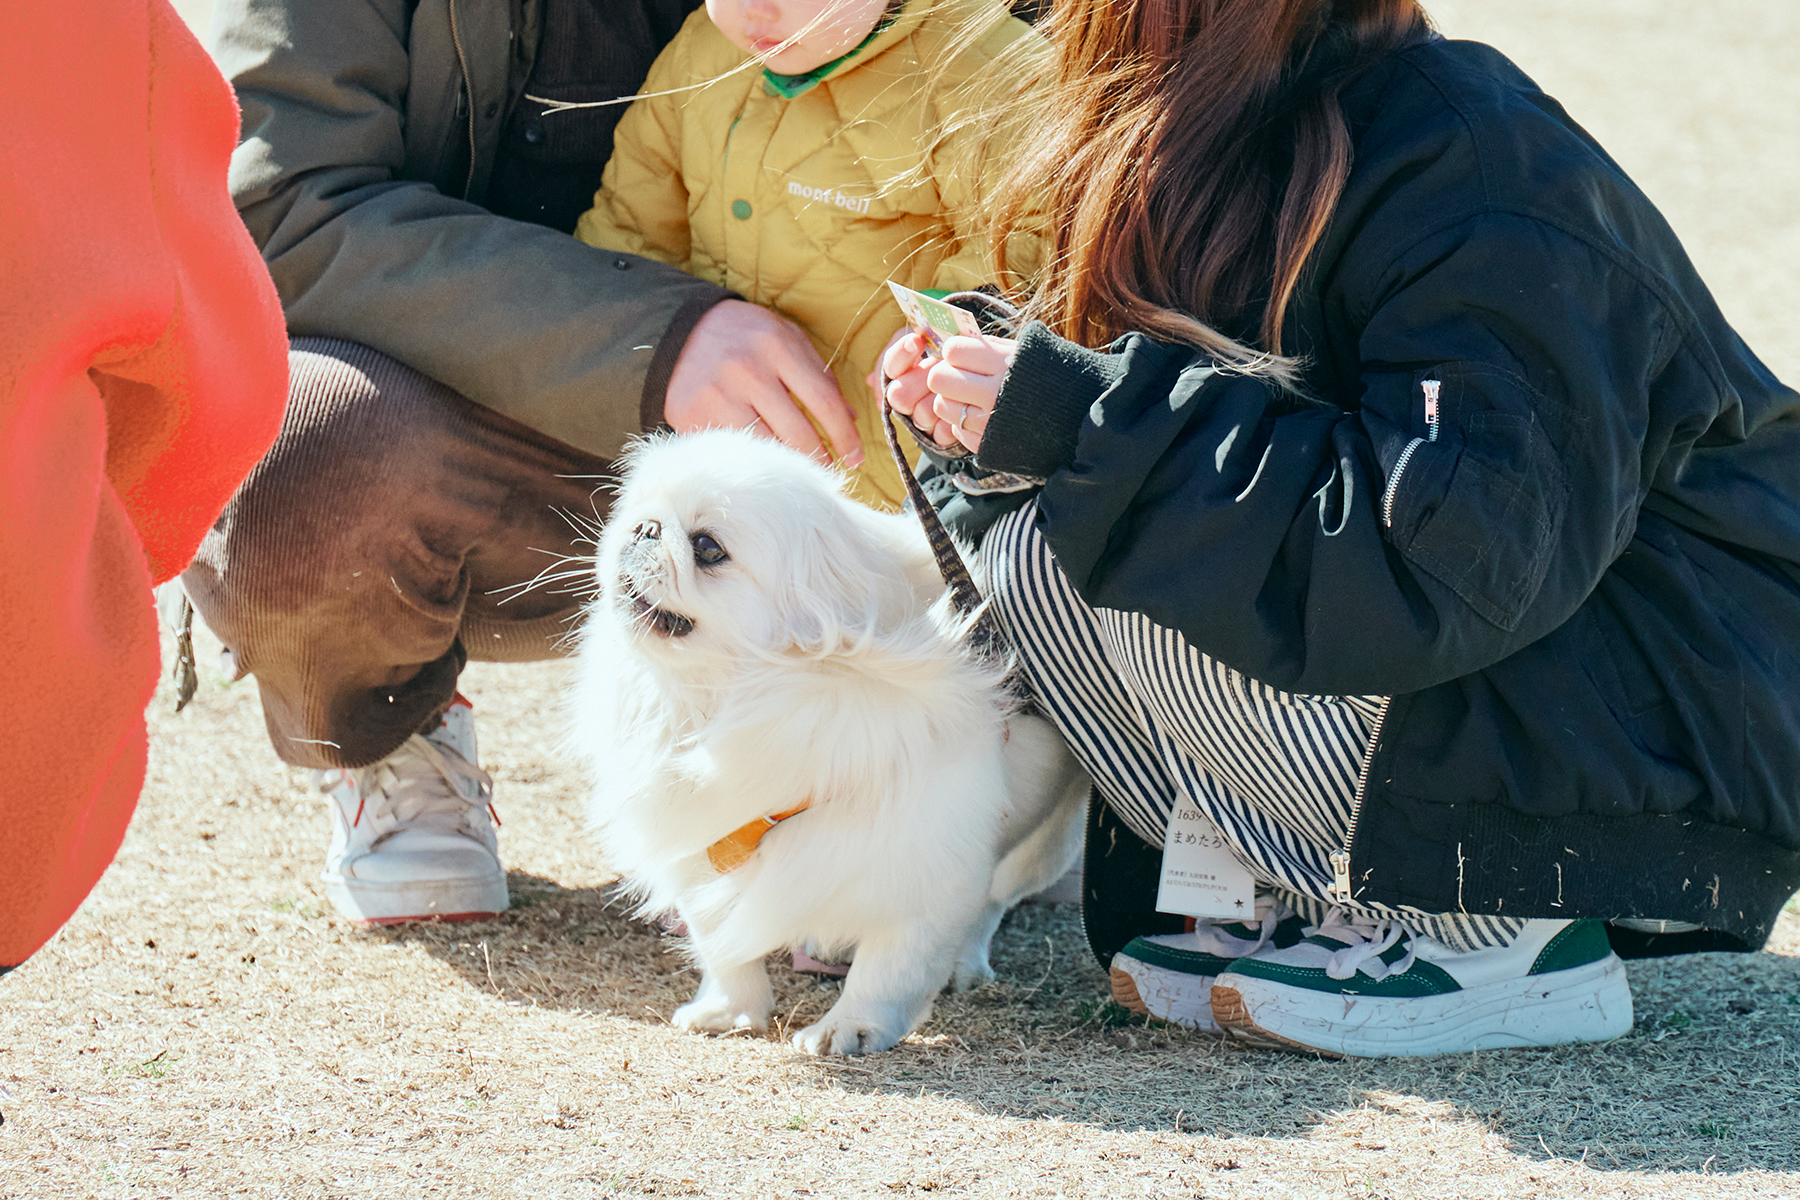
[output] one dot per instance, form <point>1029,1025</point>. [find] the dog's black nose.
<point>648,529</point>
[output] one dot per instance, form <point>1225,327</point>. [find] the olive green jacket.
<point>370,129</point>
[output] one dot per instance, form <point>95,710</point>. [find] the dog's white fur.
<point>824,663</point>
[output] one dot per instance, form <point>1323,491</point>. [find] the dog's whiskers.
<point>569,639</point>
<point>566,567</point>
<point>587,531</point>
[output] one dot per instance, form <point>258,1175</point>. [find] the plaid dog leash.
<point>985,637</point>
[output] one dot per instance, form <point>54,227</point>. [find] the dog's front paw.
<point>713,1016</point>
<point>845,1035</point>
<point>972,971</point>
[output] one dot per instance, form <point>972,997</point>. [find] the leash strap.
<point>984,636</point>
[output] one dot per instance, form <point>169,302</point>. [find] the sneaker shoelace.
<point>391,797</point>
<point>1269,913</point>
<point>1365,939</point>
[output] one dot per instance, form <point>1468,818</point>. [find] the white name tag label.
<point>1201,877</point>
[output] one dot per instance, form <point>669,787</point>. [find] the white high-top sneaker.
<point>412,836</point>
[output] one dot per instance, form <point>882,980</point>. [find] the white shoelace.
<point>387,803</point>
<point>1366,940</point>
<point>1269,913</point>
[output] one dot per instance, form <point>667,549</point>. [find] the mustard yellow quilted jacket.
<point>807,195</point>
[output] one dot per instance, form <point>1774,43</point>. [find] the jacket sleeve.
<point>642,205</point>
<point>515,316</point>
<point>1348,547</point>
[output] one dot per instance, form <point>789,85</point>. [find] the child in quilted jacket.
<point>803,153</point>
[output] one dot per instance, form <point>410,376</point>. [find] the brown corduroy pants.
<point>381,544</point>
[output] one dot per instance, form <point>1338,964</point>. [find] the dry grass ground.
<point>205,1027</point>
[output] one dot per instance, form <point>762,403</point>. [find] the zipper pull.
<point>1431,388</point>
<point>1340,877</point>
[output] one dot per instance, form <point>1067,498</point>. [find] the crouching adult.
<point>463,373</point>
<point>1423,529</point>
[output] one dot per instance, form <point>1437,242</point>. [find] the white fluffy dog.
<point>791,745</point>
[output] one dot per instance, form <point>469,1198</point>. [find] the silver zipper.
<point>469,94</point>
<point>1431,388</point>
<point>1393,485</point>
<point>1340,861</point>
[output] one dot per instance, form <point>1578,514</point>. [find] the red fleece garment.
<point>143,371</point>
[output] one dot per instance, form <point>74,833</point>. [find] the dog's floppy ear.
<point>842,588</point>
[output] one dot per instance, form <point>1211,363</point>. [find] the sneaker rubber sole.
<point>1588,1003</point>
<point>401,904</point>
<point>1166,995</point>
<point>1125,993</point>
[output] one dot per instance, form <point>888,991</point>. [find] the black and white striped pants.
<point>1153,719</point>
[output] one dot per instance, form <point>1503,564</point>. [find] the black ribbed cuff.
<point>1043,400</point>
<point>668,350</point>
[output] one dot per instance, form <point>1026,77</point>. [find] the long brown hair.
<point>1186,156</point>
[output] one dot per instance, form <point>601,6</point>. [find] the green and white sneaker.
<point>1170,976</point>
<point>1371,988</point>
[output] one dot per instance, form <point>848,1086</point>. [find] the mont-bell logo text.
<point>855,204</point>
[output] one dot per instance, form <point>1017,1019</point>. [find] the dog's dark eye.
<point>707,551</point>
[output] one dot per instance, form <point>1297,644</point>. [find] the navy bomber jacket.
<point>1576,570</point>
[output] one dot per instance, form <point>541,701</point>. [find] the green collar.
<point>789,86</point>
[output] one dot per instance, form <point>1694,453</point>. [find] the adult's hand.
<point>957,391</point>
<point>744,367</point>
<point>902,353</point>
